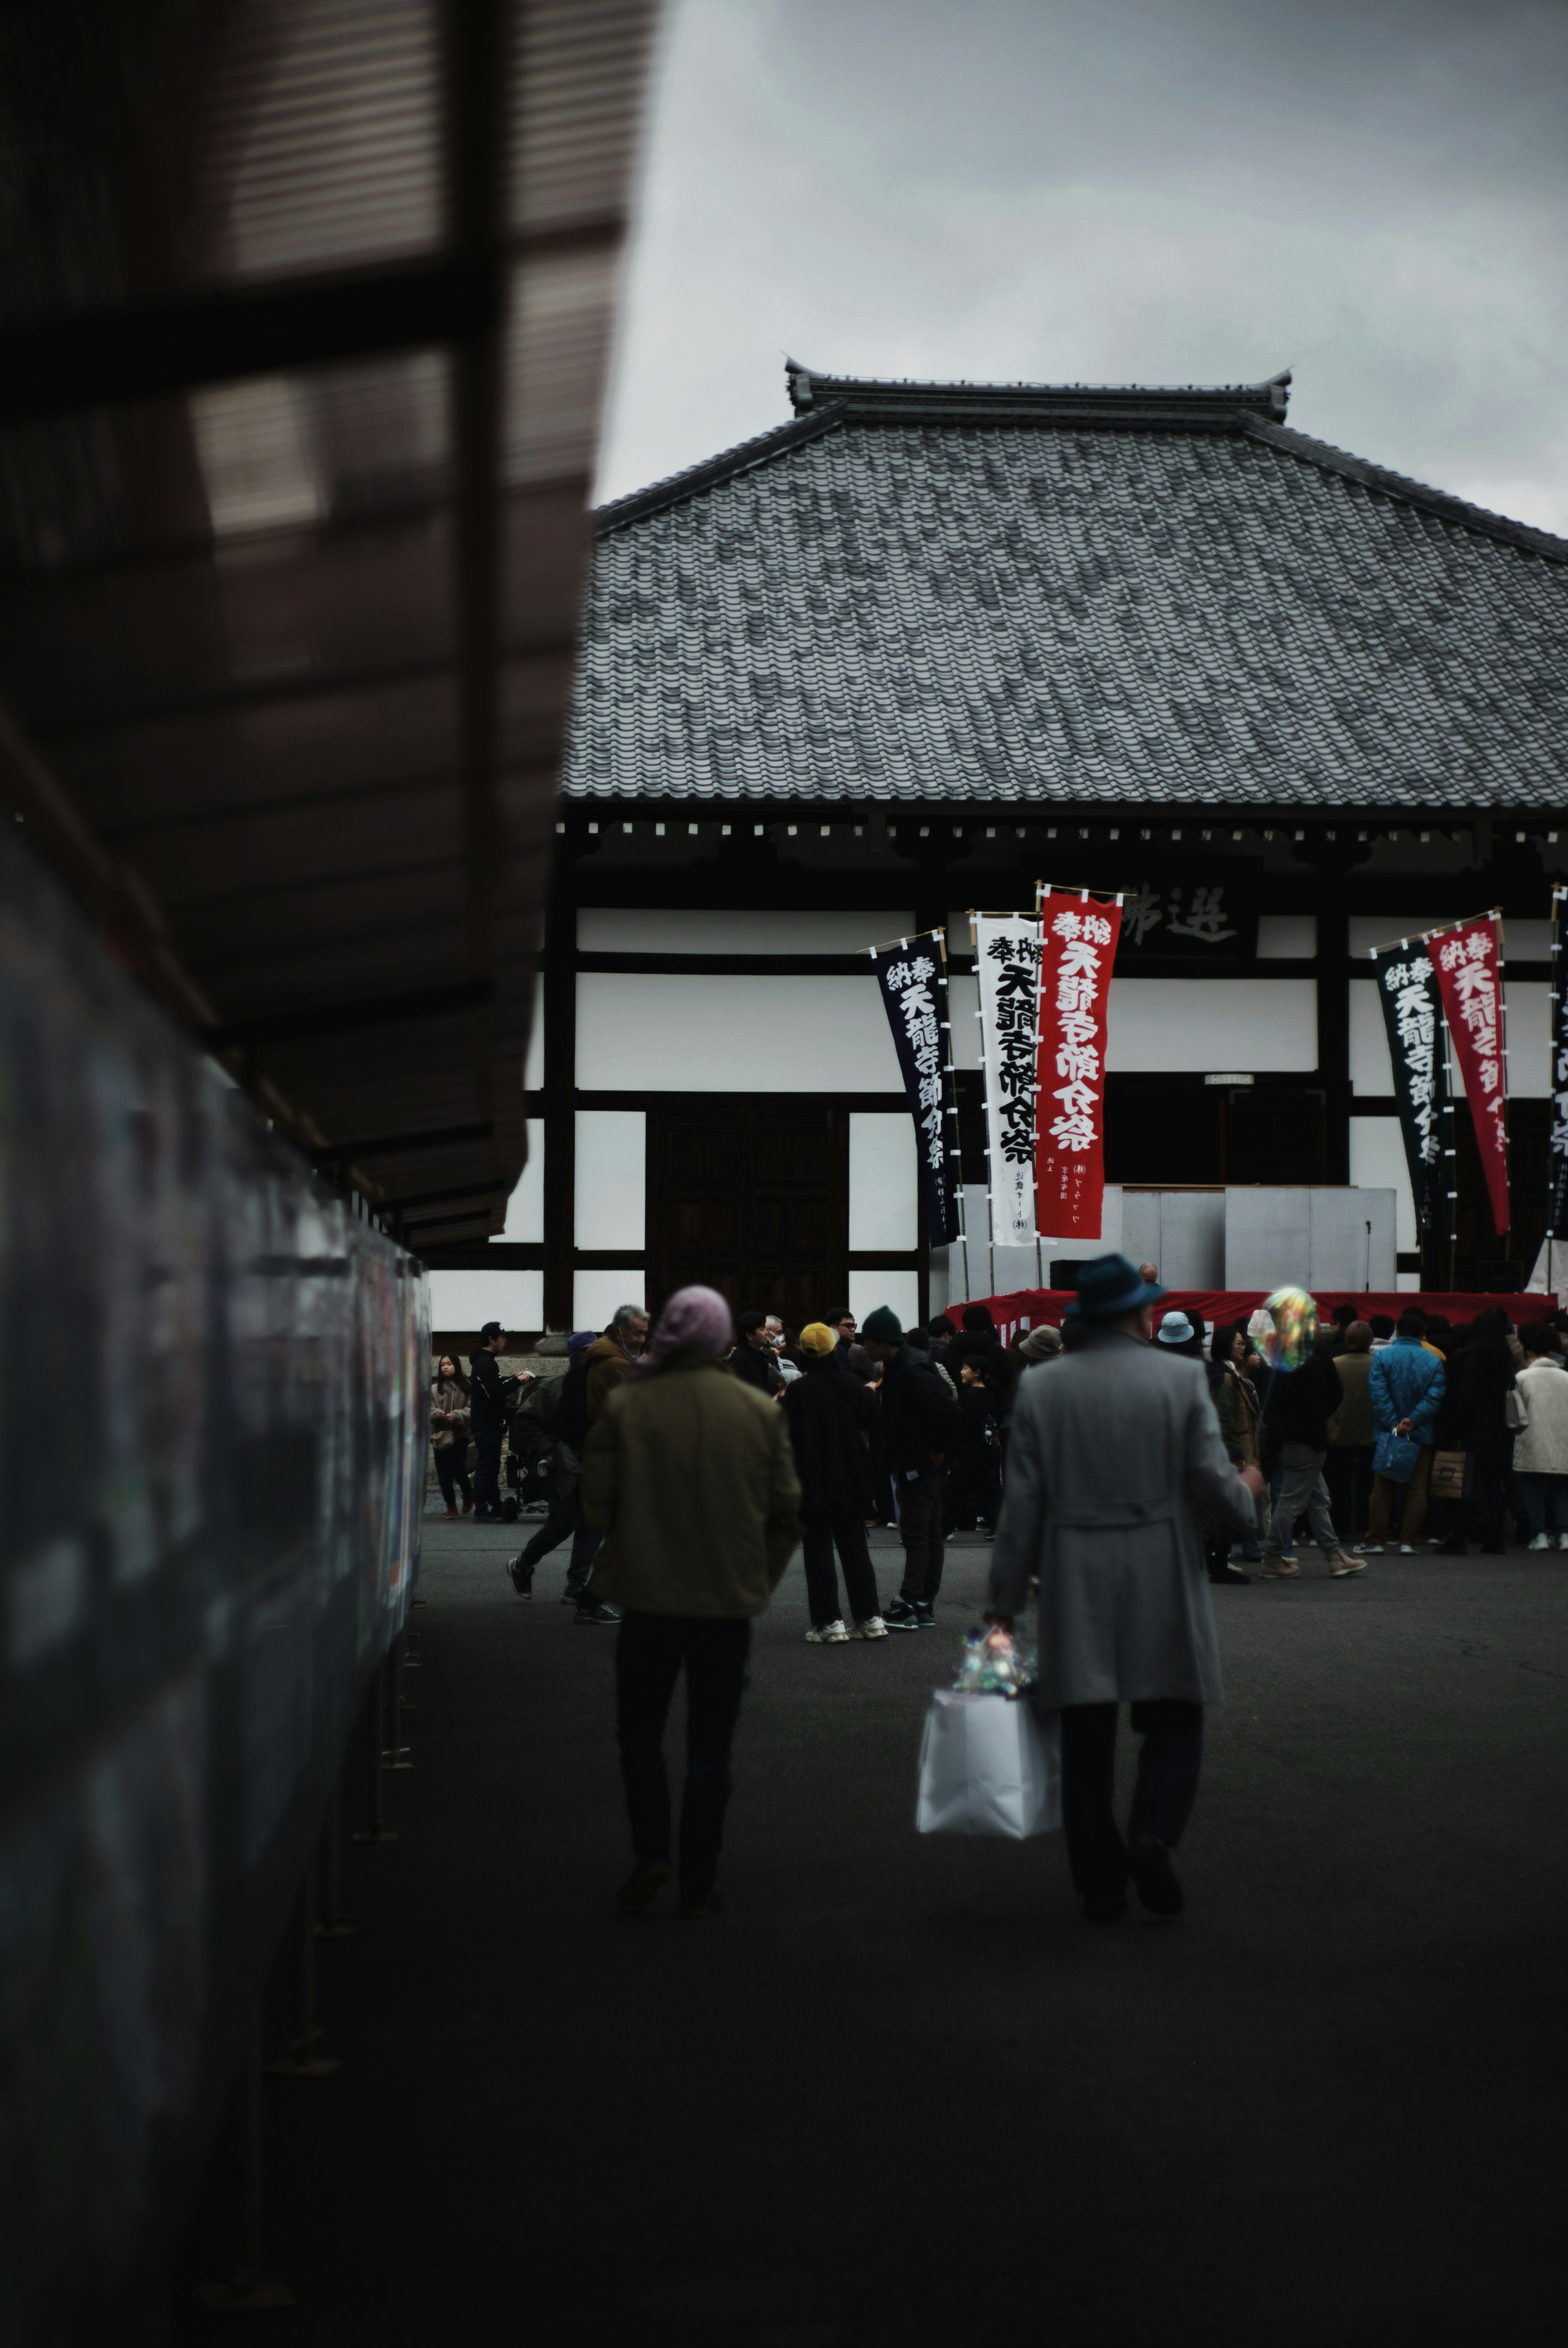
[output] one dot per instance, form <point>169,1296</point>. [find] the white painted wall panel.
<point>1195,1024</point>
<point>465,1301</point>
<point>595,1296</point>
<point>901,1290</point>
<point>671,930</point>
<point>525,1206</point>
<point>1378,1162</point>
<point>1371,1070</point>
<point>1286,937</point>
<point>732,1035</point>
<point>964,998</point>
<point>1529,1009</point>
<point>883,1212</point>
<point>611,1178</point>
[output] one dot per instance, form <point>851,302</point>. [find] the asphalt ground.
<point>901,2093</point>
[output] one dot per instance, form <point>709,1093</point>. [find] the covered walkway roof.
<point>303,324</point>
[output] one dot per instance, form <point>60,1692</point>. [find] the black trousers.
<point>920,1530</point>
<point>565,1519</point>
<point>818,1536</point>
<point>451,1470</point>
<point>1168,1765</point>
<point>1486,1501</point>
<point>487,1467</point>
<point>1348,1472</point>
<point>649,1649</point>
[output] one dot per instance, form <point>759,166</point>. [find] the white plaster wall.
<point>1193,1026</point>
<point>525,1206</point>
<point>1528,1006</point>
<point>901,1290</point>
<point>610,1205</point>
<point>732,1035</point>
<point>964,1009</point>
<point>467,1300</point>
<point>882,1210</point>
<point>1286,937</point>
<point>595,1296</point>
<point>1378,1162</point>
<point>670,929</point>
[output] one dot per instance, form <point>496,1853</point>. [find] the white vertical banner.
<point>1007,958</point>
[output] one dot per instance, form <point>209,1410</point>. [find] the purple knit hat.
<point>695,1321</point>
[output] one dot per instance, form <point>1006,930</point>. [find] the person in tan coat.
<point>611,1357</point>
<point>691,1476</point>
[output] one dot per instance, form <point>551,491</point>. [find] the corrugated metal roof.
<point>247,621</point>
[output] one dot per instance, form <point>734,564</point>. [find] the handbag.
<point>988,1765</point>
<point>1451,1476</point>
<point>1396,1456</point>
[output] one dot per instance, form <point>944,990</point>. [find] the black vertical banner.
<point>1557,1161</point>
<point>1412,1014</point>
<point>913,976</point>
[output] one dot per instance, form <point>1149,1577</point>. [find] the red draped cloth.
<point>1026,1308</point>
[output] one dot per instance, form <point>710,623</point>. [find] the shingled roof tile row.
<point>903,610</point>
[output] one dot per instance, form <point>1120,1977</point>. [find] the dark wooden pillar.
<point>1333,1021</point>
<point>559,961</point>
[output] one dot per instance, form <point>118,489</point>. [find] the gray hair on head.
<point>625,1314</point>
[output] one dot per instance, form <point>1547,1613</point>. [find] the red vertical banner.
<point>1469,965</point>
<point>1078,947</point>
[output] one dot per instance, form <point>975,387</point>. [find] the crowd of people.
<point>685,1468</point>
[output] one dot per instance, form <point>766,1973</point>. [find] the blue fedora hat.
<point>1109,1288</point>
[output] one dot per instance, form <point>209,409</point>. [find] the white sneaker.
<point>1541,1540</point>
<point>1407,1549</point>
<point>1562,1540</point>
<point>827,1634</point>
<point>1369,1549</point>
<point>873,1627</point>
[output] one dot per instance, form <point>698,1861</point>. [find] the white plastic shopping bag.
<point>988,1766</point>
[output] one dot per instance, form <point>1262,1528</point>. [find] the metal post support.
<point>374,1736</point>
<point>396,1755</point>
<point>332,1924</point>
<point>301,2061</point>
<point>250,2286</point>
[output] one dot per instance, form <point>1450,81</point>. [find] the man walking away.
<point>833,1417</point>
<point>612,1357</point>
<point>488,1420</point>
<point>688,1474</point>
<point>562,1412</point>
<point>1541,1448</point>
<point>1303,1390</point>
<point>1406,1383</point>
<point>1114,1457</point>
<point>754,1360</point>
<point>1347,1470</point>
<point>924,1427</point>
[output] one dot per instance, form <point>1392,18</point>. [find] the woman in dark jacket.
<point>1478,1426</point>
<point>833,1417</point>
<point>974,1487</point>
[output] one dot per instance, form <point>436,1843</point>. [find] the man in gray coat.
<point>1114,1459</point>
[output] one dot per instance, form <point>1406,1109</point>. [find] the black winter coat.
<point>1480,1425</point>
<point>919,1412</point>
<point>1300,1403</point>
<point>754,1367</point>
<point>830,1413</point>
<point>488,1408</point>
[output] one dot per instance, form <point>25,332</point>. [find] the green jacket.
<point>689,1474</point>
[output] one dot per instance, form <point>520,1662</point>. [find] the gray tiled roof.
<point>955,592</point>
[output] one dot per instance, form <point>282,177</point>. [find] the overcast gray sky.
<point>1115,191</point>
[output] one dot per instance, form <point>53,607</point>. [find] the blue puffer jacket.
<point>1405,1382</point>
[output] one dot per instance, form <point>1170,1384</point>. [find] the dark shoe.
<point>451,1516</point>
<point>926,1613</point>
<point>522,1578</point>
<point>1105,1910</point>
<point>1153,1877</point>
<point>697,1912</point>
<point>646,1881</point>
<point>598,1614</point>
<point>1231,1573</point>
<point>509,1509</point>
<point>902,1616</point>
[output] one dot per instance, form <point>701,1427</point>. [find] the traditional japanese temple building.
<point>926,644</point>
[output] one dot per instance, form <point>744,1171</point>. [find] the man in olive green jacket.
<point>689,1474</point>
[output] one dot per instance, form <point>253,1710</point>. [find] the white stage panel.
<point>720,1034</point>
<point>901,1290</point>
<point>882,1210</point>
<point>611,1178</point>
<point>1301,1237</point>
<point>465,1301</point>
<point>525,1206</point>
<point>1378,1162</point>
<point>670,929</point>
<point>1193,1026</point>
